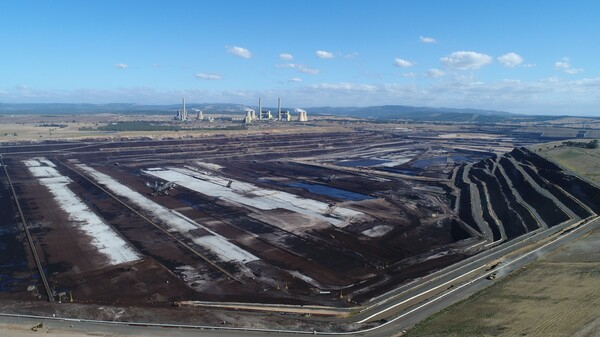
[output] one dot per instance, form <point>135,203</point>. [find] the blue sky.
<point>520,56</point>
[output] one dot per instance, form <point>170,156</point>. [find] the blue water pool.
<point>331,191</point>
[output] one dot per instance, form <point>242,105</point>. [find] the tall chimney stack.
<point>279,108</point>
<point>259,108</point>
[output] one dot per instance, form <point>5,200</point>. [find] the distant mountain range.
<point>383,112</point>
<point>117,108</point>
<point>415,113</point>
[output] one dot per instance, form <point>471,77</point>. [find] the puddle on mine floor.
<point>408,172</point>
<point>331,191</point>
<point>361,162</point>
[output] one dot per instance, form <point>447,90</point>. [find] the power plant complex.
<point>182,115</point>
<point>250,114</point>
<point>282,115</point>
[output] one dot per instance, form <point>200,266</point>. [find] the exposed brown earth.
<point>396,207</point>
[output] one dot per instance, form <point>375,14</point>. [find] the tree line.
<point>586,145</point>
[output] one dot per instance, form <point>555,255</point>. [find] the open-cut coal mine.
<point>327,218</point>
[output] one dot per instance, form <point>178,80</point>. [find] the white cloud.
<point>427,39</point>
<point>564,63</point>
<point>565,66</point>
<point>351,55</point>
<point>239,51</point>
<point>306,70</point>
<point>466,60</point>
<point>510,60</point>
<point>205,76</point>
<point>409,75</point>
<point>398,62</point>
<point>552,79</point>
<point>286,65</point>
<point>345,86</point>
<point>299,67</point>
<point>121,65</point>
<point>548,96</point>
<point>295,80</point>
<point>434,73</point>
<point>573,71</point>
<point>324,54</point>
<point>286,57</point>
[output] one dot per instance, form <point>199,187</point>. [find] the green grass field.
<point>584,162</point>
<point>556,296</point>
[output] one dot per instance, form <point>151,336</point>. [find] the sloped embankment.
<point>506,196</point>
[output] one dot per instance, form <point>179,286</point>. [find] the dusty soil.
<point>416,214</point>
<point>299,256</point>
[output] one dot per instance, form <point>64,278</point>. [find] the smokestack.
<point>279,108</point>
<point>184,112</point>
<point>259,108</point>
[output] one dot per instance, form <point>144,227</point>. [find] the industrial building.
<point>250,116</point>
<point>182,114</point>
<point>266,115</point>
<point>282,115</point>
<point>199,115</point>
<point>302,115</point>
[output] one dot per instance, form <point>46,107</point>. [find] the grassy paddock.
<point>584,162</point>
<point>556,296</point>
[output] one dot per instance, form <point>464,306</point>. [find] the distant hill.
<point>74,108</point>
<point>117,108</point>
<point>383,112</point>
<point>122,108</point>
<point>416,113</point>
<point>403,112</point>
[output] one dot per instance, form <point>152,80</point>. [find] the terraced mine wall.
<point>559,193</point>
<point>581,190</point>
<point>501,204</point>
<point>487,212</point>
<point>465,212</point>
<point>528,220</point>
<point>546,208</point>
<point>520,192</point>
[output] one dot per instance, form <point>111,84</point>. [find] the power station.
<point>182,114</point>
<point>250,114</point>
<point>266,115</point>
